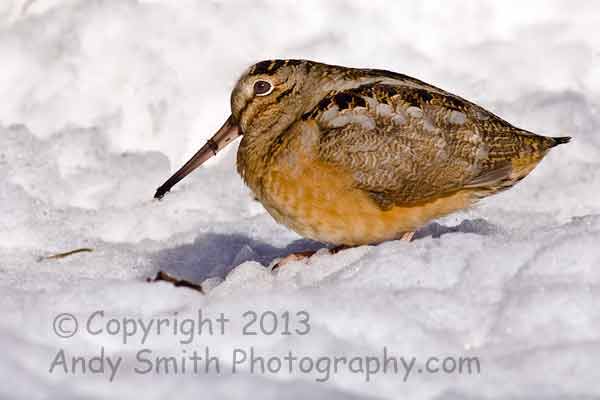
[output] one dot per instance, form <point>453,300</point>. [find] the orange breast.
<point>318,201</point>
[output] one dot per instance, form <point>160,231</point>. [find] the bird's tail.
<point>560,140</point>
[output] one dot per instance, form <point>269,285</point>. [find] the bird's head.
<point>265,101</point>
<point>271,94</point>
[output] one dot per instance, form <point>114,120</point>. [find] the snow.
<point>102,100</point>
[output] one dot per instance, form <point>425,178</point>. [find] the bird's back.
<point>408,142</point>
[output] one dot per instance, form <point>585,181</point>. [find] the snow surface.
<point>103,99</point>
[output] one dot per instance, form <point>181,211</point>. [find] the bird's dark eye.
<point>262,88</point>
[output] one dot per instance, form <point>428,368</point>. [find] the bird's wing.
<point>410,143</point>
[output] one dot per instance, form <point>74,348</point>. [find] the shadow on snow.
<point>214,255</point>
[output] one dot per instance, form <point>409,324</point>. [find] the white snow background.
<point>101,100</point>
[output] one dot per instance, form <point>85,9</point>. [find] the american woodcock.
<point>358,156</point>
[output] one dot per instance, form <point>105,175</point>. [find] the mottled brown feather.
<point>408,145</point>
<point>355,156</point>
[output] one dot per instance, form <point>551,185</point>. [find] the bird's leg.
<point>301,255</point>
<point>407,236</point>
<point>337,249</point>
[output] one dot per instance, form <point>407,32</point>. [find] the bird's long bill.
<point>224,136</point>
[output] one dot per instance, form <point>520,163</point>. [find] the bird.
<point>358,156</point>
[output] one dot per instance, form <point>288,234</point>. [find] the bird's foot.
<point>301,255</point>
<point>304,255</point>
<point>407,236</point>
